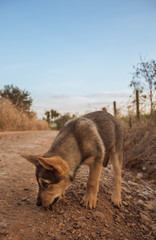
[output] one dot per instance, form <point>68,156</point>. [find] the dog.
<point>92,140</point>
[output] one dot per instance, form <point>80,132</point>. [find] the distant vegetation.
<point>15,113</point>
<point>57,120</point>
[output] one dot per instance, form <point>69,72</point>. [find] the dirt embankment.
<point>20,218</point>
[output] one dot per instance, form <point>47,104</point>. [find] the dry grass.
<point>140,148</point>
<point>13,120</point>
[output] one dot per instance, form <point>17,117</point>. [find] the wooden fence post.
<point>130,122</point>
<point>137,105</point>
<point>104,109</point>
<point>115,110</point>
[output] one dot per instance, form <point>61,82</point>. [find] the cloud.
<point>110,95</point>
<point>80,104</point>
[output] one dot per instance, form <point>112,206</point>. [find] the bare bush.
<point>140,148</point>
<point>11,119</point>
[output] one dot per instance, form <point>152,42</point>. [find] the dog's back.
<point>110,131</point>
<point>82,131</point>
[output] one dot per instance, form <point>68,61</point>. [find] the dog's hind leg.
<point>117,165</point>
<point>90,197</point>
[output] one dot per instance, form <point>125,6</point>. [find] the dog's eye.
<point>45,184</point>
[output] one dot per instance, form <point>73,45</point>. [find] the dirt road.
<point>20,218</point>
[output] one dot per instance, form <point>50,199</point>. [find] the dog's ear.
<point>56,164</point>
<point>34,159</point>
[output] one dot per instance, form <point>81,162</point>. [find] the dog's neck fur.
<point>68,158</point>
<point>59,148</point>
<point>66,146</point>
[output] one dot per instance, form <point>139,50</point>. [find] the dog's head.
<point>52,175</point>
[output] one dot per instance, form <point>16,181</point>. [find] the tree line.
<point>56,120</point>
<point>23,101</point>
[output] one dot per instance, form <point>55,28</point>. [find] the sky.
<point>75,55</point>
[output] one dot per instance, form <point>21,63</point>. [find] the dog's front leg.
<point>90,197</point>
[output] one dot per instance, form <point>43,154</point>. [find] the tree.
<point>47,113</point>
<point>144,80</point>
<point>54,114</point>
<point>18,97</point>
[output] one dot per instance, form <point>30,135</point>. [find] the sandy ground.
<point>20,218</point>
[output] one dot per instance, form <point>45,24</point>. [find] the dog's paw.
<point>116,200</point>
<point>89,201</point>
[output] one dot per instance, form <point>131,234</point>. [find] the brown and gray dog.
<point>91,140</point>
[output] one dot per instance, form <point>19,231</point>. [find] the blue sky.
<point>74,55</point>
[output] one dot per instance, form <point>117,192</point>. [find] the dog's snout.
<point>39,202</point>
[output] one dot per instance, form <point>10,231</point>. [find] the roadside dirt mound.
<point>20,218</point>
